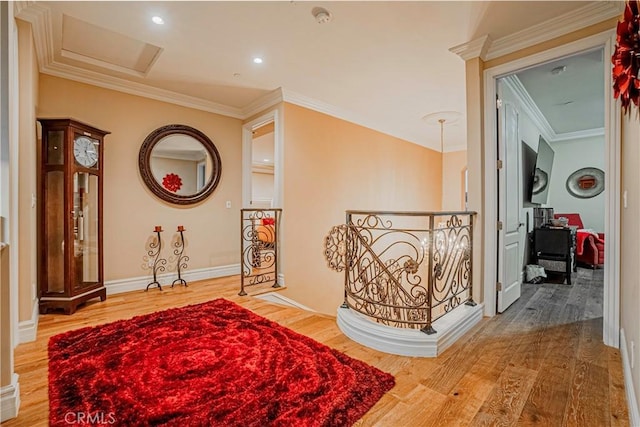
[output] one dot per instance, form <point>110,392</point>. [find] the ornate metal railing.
<point>404,269</point>
<point>259,248</point>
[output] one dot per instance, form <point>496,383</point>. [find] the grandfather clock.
<point>70,270</point>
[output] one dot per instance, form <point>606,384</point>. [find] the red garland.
<point>172,182</point>
<point>626,58</point>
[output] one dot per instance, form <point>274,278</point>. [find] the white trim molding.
<point>140,283</point>
<point>278,298</point>
<point>10,399</point>
<point>632,402</point>
<point>590,14</point>
<point>531,108</point>
<point>409,342</point>
<point>261,104</point>
<point>611,301</point>
<point>28,329</point>
<point>474,49</point>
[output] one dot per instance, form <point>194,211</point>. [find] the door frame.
<point>611,301</point>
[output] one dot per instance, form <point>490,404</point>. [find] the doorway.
<point>262,162</point>
<point>611,131</point>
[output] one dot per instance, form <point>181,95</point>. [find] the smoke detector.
<point>321,14</point>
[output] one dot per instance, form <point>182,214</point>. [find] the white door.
<point>509,259</point>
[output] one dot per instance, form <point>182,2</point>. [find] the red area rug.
<point>211,364</point>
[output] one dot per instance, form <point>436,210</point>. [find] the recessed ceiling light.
<point>265,160</point>
<point>257,60</point>
<point>157,20</point>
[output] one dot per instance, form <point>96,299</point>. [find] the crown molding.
<point>343,114</point>
<point>485,48</point>
<point>474,49</point>
<point>529,106</point>
<point>39,17</point>
<point>114,83</point>
<point>539,120</point>
<point>579,134</point>
<point>555,27</point>
<point>260,104</point>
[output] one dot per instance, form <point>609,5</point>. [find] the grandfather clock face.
<point>86,151</point>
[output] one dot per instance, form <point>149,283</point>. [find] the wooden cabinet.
<point>70,238</point>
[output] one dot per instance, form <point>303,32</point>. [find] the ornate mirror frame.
<point>144,164</point>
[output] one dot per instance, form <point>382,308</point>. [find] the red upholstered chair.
<point>589,245</point>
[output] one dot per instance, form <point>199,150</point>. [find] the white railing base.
<point>409,342</point>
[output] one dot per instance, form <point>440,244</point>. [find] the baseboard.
<point>140,283</point>
<point>28,329</point>
<point>632,403</point>
<point>278,298</point>
<point>281,280</point>
<point>10,399</point>
<point>409,342</point>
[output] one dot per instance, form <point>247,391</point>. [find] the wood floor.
<point>542,362</point>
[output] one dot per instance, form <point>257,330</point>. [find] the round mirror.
<point>179,164</point>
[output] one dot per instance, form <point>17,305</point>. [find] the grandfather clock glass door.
<point>70,240</point>
<point>86,253</point>
<point>53,198</point>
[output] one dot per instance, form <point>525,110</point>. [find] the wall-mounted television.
<point>528,167</point>
<point>541,178</point>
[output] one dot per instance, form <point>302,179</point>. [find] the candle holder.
<point>153,251</point>
<point>181,259</point>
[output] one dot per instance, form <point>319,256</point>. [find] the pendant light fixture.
<point>441,118</point>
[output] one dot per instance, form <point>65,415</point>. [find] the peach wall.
<point>27,172</point>
<point>475,156</point>
<point>330,166</point>
<point>454,164</point>
<point>629,244</point>
<point>130,209</point>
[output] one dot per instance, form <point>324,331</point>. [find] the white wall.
<point>569,157</point>
<point>262,189</point>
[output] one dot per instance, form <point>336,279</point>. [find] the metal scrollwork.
<point>152,259</point>
<point>259,247</point>
<point>405,272</point>
<point>337,247</point>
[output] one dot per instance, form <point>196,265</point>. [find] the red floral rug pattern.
<point>210,364</point>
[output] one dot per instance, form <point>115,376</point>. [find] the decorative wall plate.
<point>540,181</point>
<point>586,183</point>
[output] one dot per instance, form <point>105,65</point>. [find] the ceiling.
<point>569,94</point>
<point>383,64</point>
